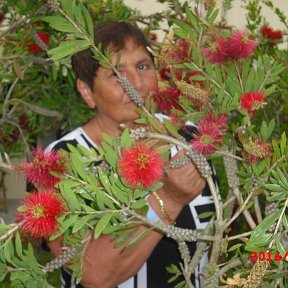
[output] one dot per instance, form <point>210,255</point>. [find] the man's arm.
<point>106,266</point>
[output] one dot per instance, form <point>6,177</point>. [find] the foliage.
<point>38,95</point>
<point>252,147</point>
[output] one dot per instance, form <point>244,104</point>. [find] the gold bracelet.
<point>162,208</point>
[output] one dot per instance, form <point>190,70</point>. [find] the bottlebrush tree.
<point>216,77</point>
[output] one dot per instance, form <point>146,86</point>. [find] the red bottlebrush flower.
<point>140,165</point>
<point>252,101</point>
<point>239,46</point>
<point>153,36</point>
<point>256,150</point>
<point>178,52</point>
<point>204,143</point>
<point>165,74</point>
<point>268,32</point>
<point>167,99</point>
<point>34,48</point>
<point>39,212</point>
<point>216,53</point>
<point>38,170</point>
<point>219,124</point>
<point>210,132</point>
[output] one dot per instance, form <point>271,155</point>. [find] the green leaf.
<point>249,84</point>
<point>192,18</point>
<point>184,26</point>
<point>104,180</point>
<point>212,17</point>
<point>107,139</point>
<point>81,222</point>
<point>234,247</point>
<point>171,128</point>
<point>102,224</point>
<point>70,197</point>
<point>119,194</point>
<point>182,284</point>
<point>263,131</point>
<point>126,140</point>
<point>283,143</point>
<point>276,149</point>
<point>265,225</point>
<point>110,154</point>
<point>205,215</point>
<point>281,177</point>
<point>68,48</point>
<point>8,250</point>
<point>59,23</point>
<point>78,16</point>
<point>68,7</point>
<point>124,237</point>
<point>278,196</point>
<point>78,164</point>
<point>66,224</point>
<point>136,239</point>
<point>280,247</point>
<point>18,245</point>
<point>139,204</point>
<point>285,222</point>
<point>274,187</point>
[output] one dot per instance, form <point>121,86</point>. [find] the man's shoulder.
<point>75,137</point>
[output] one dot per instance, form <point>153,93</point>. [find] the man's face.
<point>109,97</point>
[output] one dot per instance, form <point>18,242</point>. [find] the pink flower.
<point>210,132</point>
<point>204,143</point>
<point>140,165</point>
<point>38,170</point>
<point>219,124</point>
<point>239,46</point>
<point>256,150</point>
<point>216,52</point>
<point>39,213</point>
<point>167,99</point>
<point>252,101</point>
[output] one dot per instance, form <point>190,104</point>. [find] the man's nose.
<point>135,79</point>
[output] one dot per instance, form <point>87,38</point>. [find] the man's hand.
<point>181,186</point>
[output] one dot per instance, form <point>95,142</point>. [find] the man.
<point>104,265</point>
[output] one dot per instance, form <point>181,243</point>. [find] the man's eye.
<point>142,66</point>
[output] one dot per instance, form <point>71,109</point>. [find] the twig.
<point>239,236</point>
<point>242,209</point>
<point>24,19</point>
<point>257,209</point>
<point>232,264</point>
<point>278,223</point>
<point>22,135</point>
<point>10,232</point>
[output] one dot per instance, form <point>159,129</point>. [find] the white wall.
<point>15,183</point>
<point>237,15</point>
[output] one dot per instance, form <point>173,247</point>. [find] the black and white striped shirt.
<point>153,273</point>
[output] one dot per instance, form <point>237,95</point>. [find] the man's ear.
<point>86,93</point>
